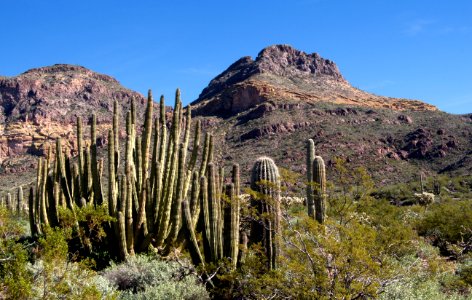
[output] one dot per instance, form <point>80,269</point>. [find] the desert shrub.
<point>448,225</point>
<point>88,240</point>
<point>43,268</point>
<point>333,260</point>
<point>57,276</point>
<point>15,278</point>
<point>419,287</point>
<point>146,277</point>
<point>425,275</point>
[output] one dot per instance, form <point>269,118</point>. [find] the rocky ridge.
<point>42,104</point>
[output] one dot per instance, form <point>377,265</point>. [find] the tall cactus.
<point>80,147</point>
<point>19,203</point>
<point>97,185</point>
<point>265,229</point>
<point>310,157</point>
<point>159,201</point>
<point>112,188</point>
<point>422,182</point>
<point>319,178</point>
<point>231,224</point>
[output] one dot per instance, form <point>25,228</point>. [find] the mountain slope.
<point>271,105</point>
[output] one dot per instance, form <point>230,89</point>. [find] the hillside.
<point>42,104</point>
<point>271,105</point>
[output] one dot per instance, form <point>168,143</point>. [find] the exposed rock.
<point>256,113</point>
<point>285,61</point>
<point>280,60</point>
<point>282,74</point>
<point>278,128</point>
<point>418,143</point>
<point>42,104</point>
<point>405,119</point>
<point>451,144</point>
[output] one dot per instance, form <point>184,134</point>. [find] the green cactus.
<point>231,224</point>
<point>122,236</point>
<point>204,219</point>
<point>10,205</point>
<point>265,229</point>
<point>169,179</point>
<point>155,201</point>
<point>147,134</point>
<point>34,226</point>
<point>80,147</point>
<point>310,157</point>
<point>19,203</point>
<point>129,216</point>
<point>422,182</point>
<point>96,181</point>
<point>112,188</point>
<point>116,134</point>
<point>214,211</point>
<point>319,178</point>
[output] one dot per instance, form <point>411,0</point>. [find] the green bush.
<point>15,278</point>
<point>449,226</point>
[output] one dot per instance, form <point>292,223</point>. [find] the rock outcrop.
<point>283,74</point>
<point>42,104</point>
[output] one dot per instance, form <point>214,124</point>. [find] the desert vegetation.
<point>161,219</point>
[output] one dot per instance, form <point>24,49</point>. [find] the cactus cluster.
<point>158,197</point>
<point>12,203</point>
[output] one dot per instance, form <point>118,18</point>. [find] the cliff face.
<point>42,104</point>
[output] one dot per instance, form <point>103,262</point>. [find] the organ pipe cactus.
<point>163,200</point>
<point>19,203</point>
<point>265,229</point>
<point>96,182</point>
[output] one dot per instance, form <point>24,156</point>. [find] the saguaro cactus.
<point>310,157</point>
<point>265,229</point>
<point>319,178</point>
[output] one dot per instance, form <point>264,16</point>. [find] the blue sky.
<point>404,48</point>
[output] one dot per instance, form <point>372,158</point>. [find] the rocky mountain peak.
<point>283,75</point>
<point>278,61</point>
<point>284,60</point>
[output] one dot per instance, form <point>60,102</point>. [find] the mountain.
<point>42,104</point>
<point>272,104</point>
<point>283,74</point>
